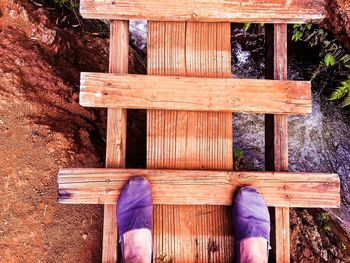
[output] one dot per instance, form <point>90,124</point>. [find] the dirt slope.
<point>42,128</point>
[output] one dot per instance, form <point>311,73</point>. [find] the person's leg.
<point>253,250</point>
<point>252,226</point>
<point>138,246</point>
<point>135,221</point>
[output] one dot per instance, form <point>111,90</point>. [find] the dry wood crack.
<point>195,94</point>
<point>269,11</point>
<point>102,186</point>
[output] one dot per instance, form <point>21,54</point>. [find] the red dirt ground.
<point>42,128</point>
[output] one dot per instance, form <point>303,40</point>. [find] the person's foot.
<point>135,221</point>
<point>252,226</point>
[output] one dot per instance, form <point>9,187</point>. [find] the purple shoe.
<point>134,208</point>
<point>251,217</point>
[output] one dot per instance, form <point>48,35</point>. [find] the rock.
<point>310,241</point>
<point>43,34</point>
<point>338,20</point>
<point>19,62</point>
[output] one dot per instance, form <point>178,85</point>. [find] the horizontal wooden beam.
<point>267,11</point>
<point>195,94</point>
<point>101,186</point>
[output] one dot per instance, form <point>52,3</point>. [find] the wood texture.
<point>267,11</point>
<point>281,145</point>
<point>195,94</point>
<point>282,232</point>
<point>116,133</point>
<point>278,128</point>
<point>186,187</point>
<point>190,140</point>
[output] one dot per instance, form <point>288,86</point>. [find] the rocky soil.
<point>338,20</point>
<point>43,128</point>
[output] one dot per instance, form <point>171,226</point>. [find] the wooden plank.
<point>281,145</point>
<point>190,140</point>
<point>282,234</point>
<point>277,35</point>
<point>116,133</point>
<point>282,231</point>
<point>195,94</point>
<point>101,185</point>
<point>282,214</point>
<point>267,11</point>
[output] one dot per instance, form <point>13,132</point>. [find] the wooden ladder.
<point>189,96</point>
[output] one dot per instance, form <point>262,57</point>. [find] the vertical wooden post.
<point>276,132</point>
<point>116,132</point>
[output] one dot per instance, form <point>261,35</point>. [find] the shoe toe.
<point>135,206</point>
<point>251,215</point>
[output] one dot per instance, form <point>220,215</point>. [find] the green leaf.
<point>247,26</point>
<point>329,60</point>
<point>346,102</point>
<point>238,153</point>
<point>308,26</point>
<point>345,58</point>
<point>296,25</point>
<point>339,93</point>
<point>297,35</point>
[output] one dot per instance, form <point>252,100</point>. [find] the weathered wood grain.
<point>195,94</point>
<point>282,232</point>
<point>262,11</point>
<point>277,129</point>
<point>116,133</point>
<point>187,139</point>
<point>280,189</point>
<point>281,145</point>
<point>190,140</point>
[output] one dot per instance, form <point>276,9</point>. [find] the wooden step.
<point>282,189</point>
<point>195,94</point>
<point>267,11</point>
